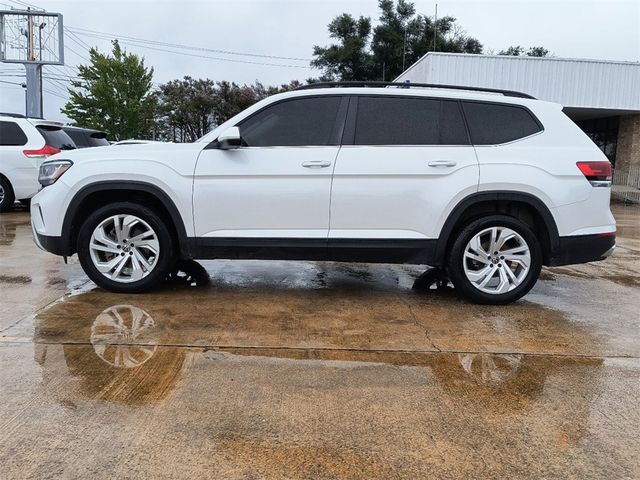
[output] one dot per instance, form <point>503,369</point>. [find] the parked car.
<point>86,137</point>
<point>24,144</point>
<point>487,185</point>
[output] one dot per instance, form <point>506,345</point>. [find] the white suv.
<point>24,144</point>
<point>487,185</point>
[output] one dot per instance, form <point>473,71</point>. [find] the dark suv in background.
<point>86,137</point>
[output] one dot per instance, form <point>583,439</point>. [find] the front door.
<point>277,184</point>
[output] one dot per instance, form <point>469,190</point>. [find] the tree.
<point>399,39</point>
<point>113,94</point>
<point>187,109</point>
<point>184,108</point>
<point>350,58</point>
<point>517,51</point>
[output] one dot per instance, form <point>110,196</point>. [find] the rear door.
<point>405,162</point>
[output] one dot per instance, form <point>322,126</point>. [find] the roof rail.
<point>13,115</point>
<point>506,93</point>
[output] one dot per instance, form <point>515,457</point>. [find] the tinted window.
<point>11,134</point>
<point>87,138</point>
<point>305,121</point>
<point>409,121</point>
<point>55,137</point>
<point>490,124</point>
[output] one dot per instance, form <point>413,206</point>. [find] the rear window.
<point>11,135</point>
<point>87,138</point>
<point>56,137</point>
<point>491,124</point>
<point>409,121</point>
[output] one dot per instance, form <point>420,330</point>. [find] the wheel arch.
<point>94,195</point>
<point>519,205</point>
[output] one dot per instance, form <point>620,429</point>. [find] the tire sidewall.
<point>455,261</point>
<point>159,226</point>
<point>9,197</point>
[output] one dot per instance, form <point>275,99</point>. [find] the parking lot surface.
<point>317,370</point>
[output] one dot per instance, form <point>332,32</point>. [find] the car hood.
<point>164,152</point>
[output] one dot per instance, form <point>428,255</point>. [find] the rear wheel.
<point>495,260</point>
<point>7,198</point>
<point>125,247</point>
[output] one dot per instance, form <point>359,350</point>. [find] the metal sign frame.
<point>30,57</point>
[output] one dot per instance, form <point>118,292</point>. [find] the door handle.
<point>442,163</point>
<point>317,164</point>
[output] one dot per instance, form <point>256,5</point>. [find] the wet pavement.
<point>317,370</point>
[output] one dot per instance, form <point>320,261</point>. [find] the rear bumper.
<point>583,249</point>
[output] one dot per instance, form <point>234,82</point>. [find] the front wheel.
<point>125,247</point>
<point>495,260</point>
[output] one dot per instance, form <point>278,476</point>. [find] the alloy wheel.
<point>124,248</point>
<point>496,260</point>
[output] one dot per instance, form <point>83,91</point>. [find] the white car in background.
<point>24,144</point>
<point>487,185</point>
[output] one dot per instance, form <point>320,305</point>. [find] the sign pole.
<point>34,90</point>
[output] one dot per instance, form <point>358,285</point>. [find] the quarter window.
<point>409,121</point>
<point>298,122</point>
<point>11,135</point>
<point>491,124</point>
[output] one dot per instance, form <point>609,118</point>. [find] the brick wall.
<point>628,149</point>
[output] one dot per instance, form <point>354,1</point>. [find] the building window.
<point>604,133</point>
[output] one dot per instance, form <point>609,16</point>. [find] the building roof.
<point>574,83</point>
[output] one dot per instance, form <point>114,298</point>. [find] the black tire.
<point>166,258</point>
<point>455,261</point>
<point>8,199</point>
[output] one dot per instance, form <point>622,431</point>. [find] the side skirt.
<point>339,250</point>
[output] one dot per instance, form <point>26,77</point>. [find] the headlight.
<point>50,172</point>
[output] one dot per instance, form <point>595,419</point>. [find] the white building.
<point>602,97</point>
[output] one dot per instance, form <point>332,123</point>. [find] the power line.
<point>11,83</point>
<point>77,38</point>
<point>55,94</point>
<point>87,32</point>
<point>136,44</point>
<point>26,4</point>
<point>73,51</point>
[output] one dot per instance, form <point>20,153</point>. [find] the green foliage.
<point>382,53</point>
<point>187,109</point>
<point>518,51</point>
<point>349,59</point>
<point>113,94</point>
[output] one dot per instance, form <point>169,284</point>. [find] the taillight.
<point>43,152</point>
<point>599,174</point>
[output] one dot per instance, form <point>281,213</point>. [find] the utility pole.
<point>404,48</point>
<point>435,28</point>
<point>33,74</point>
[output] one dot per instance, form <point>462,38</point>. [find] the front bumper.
<point>583,249</point>
<point>54,245</point>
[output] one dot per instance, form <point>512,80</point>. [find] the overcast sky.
<point>605,29</point>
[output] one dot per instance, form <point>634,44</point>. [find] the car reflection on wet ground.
<point>317,370</point>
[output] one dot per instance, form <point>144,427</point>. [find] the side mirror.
<point>230,139</point>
